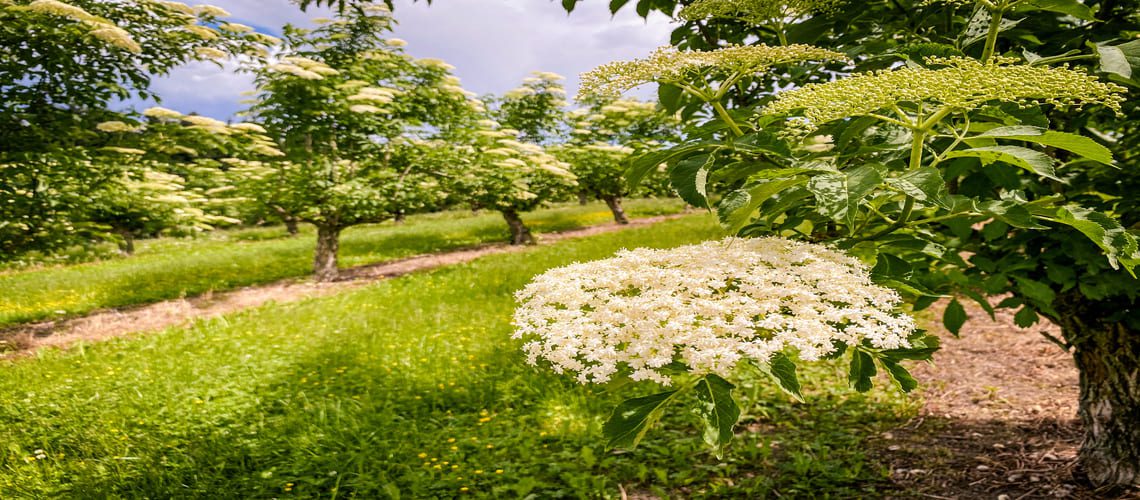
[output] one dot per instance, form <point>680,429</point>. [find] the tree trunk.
<point>289,219</point>
<point>127,246</point>
<point>614,203</point>
<point>291,226</point>
<point>324,259</point>
<point>400,217</point>
<point>520,234</point>
<point>583,198</point>
<point>1107,354</point>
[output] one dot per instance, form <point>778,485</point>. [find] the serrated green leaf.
<point>670,96</point>
<point>924,184</point>
<point>648,162</point>
<point>719,410</point>
<point>861,372</point>
<point>1073,143</point>
<point>1028,159</point>
<point>1068,7</point>
<point>1025,318</point>
<point>954,317</point>
<point>689,177</point>
<point>735,209</point>
<point>900,376</point>
<point>891,267</point>
<point>1035,290</point>
<point>838,195</point>
<point>783,371</point>
<point>632,419</point>
<point>1112,60</point>
<point>1104,231</point>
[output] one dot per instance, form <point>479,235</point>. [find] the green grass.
<point>407,388</point>
<point>170,268</point>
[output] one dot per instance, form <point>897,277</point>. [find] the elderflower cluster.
<point>101,29</point>
<point>668,65</point>
<point>963,84</point>
<point>709,306</point>
<point>304,68</point>
<point>756,11</point>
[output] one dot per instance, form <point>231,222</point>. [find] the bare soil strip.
<point>999,420</point>
<point>110,323</point>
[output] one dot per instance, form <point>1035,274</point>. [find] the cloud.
<point>494,44</point>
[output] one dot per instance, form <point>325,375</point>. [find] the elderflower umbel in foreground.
<point>709,306</point>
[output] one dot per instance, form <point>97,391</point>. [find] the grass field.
<point>406,388</point>
<point>170,268</point>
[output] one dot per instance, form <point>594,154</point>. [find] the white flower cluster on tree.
<point>709,306</point>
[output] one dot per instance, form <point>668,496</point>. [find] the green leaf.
<point>923,184</point>
<point>1067,7</point>
<point>891,267</point>
<point>670,96</point>
<point>616,5</point>
<point>1010,212</point>
<point>719,410</point>
<point>838,195</point>
<point>954,317</point>
<point>861,372</point>
<point>923,350</point>
<point>1113,60</point>
<point>1025,318</point>
<point>783,370</point>
<point>648,162</point>
<point>736,208</point>
<point>1035,290</point>
<point>633,418</point>
<point>900,376</point>
<point>1028,159</point>
<point>690,178</point>
<point>1073,143</point>
<point>1104,231</point>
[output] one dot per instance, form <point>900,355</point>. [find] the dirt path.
<point>106,324</point>
<point>999,421</point>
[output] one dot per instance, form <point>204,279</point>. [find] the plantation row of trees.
<point>344,128</point>
<point>981,149</point>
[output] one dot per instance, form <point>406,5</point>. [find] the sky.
<point>493,44</point>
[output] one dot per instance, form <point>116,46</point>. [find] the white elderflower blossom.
<point>116,126</point>
<point>160,112</point>
<point>211,53</point>
<point>709,306</point>
<point>211,11</point>
<point>235,28</point>
<point>203,32</point>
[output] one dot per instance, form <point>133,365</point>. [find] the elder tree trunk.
<point>291,226</point>
<point>324,259</point>
<point>1107,354</point>
<point>520,234</point>
<point>582,198</point>
<point>614,203</point>
<point>127,246</point>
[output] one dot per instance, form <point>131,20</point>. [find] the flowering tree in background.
<point>170,179</point>
<point>951,171</point>
<point>492,169</point>
<point>342,103</point>
<point>605,137</point>
<point>61,65</point>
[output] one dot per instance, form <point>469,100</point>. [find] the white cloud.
<point>494,44</point>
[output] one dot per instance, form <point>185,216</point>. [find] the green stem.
<point>995,28</point>
<point>723,113</point>
<point>916,148</point>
